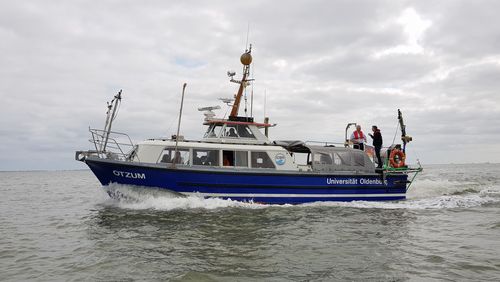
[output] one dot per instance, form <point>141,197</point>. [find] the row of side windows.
<point>207,157</point>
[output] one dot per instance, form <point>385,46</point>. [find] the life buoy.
<point>397,158</point>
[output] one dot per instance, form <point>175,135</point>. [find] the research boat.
<point>236,160</point>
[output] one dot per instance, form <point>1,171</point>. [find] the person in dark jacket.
<point>377,143</point>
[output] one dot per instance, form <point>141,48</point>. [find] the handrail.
<point>114,148</point>
<point>113,132</point>
<point>326,143</point>
<point>386,166</point>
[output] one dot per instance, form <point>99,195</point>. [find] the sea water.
<point>62,226</point>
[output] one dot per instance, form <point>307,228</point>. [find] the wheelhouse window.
<point>169,156</point>
<point>244,131</point>
<point>238,131</point>
<point>205,157</point>
<point>261,160</point>
<point>235,158</point>
<point>229,131</point>
<point>213,131</point>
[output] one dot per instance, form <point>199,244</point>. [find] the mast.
<point>176,158</point>
<point>111,114</point>
<point>405,138</point>
<point>246,60</point>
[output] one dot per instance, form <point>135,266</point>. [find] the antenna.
<point>227,101</point>
<point>251,102</point>
<point>251,94</point>
<point>246,103</point>
<point>265,101</point>
<point>209,112</point>
<point>248,32</point>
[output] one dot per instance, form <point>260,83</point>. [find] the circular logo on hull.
<point>280,159</point>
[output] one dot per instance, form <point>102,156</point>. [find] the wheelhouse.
<point>235,131</point>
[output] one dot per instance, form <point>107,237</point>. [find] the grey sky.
<point>322,63</point>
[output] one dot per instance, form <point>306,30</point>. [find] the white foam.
<point>425,188</point>
<point>492,191</point>
<point>441,202</point>
<point>139,198</point>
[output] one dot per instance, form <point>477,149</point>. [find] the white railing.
<point>116,145</point>
<point>326,143</point>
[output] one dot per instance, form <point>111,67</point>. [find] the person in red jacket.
<point>358,138</point>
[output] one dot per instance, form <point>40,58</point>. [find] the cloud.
<point>414,27</point>
<point>322,64</point>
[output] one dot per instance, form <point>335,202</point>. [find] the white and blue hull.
<point>251,185</point>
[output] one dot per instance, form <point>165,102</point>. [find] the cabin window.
<point>168,156</point>
<point>244,131</point>
<point>238,131</point>
<point>209,132</point>
<point>241,158</point>
<point>322,158</point>
<point>205,157</point>
<point>235,158</point>
<point>301,158</point>
<point>342,158</point>
<point>231,131</point>
<point>261,160</point>
<point>213,131</point>
<point>358,159</point>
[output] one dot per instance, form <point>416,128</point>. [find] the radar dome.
<point>246,59</point>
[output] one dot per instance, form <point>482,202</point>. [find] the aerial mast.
<point>405,138</point>
<point>246,60</point>
<point>110,117</point>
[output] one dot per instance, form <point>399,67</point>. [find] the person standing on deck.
<point>358,138</point>
<point>377,143</point>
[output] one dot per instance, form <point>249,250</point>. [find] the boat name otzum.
<point>236,160</point>
<point>129,174</point>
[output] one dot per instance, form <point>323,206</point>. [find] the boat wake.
<point>441,202</point>
<point>426,194</point>
<point>434,194</point>
<point>133,197</point>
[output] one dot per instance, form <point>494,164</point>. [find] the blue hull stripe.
<point>251,195</point>
<point>284,190</point>
<point>267,187</point>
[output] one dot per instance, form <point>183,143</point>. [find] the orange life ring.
<point>397,158</point>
